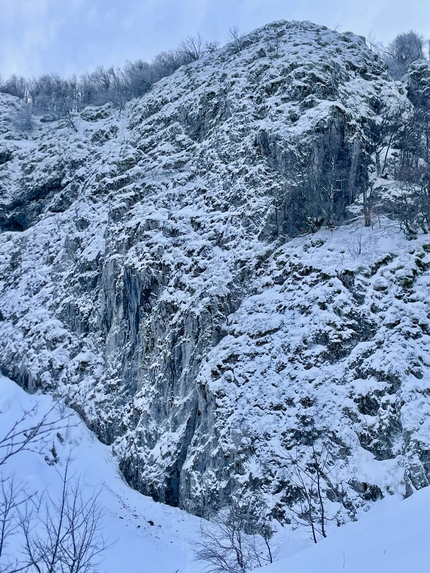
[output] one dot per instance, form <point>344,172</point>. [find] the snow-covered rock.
<point>148,276</point>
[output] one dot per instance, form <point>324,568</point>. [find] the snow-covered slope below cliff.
<point>392,537</point>
<point>141,536</point>
<point>147,275</point>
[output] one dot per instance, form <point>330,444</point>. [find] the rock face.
<point>147,275</point>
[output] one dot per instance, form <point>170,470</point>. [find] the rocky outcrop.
<point>418,84</point>
<point>147,275</point>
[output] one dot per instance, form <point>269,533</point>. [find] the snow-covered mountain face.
<point>148,276</point>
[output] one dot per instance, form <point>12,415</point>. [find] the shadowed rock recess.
<point>153,271</point>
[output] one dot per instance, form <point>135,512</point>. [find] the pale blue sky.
<point>74,36</point>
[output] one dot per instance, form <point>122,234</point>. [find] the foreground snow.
<point>391,538</point>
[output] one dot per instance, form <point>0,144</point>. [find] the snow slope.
<point>391,538</point>
<point>144,536</point>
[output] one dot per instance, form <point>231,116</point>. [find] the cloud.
<point>74,36</point>
<point>15,10</point>
<point>25,32</point>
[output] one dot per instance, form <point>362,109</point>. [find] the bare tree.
<point>369,196</point>
<point>193,47</point>
<point>311,476</point>
<point>412,207</point>
<point>236,542</point>
<point>27,436</point>
<point>57,535</point>
<point>24,117</point>
<point>16,86</point>
<point>30,432</point>
<point>237,39</point>
<point>411,162</point>
<point>12,497</point>
<point>212,46</point>
<point>63,535</point>
<point>138,78</point>
<point>385,132</point>
<point>61,99</point>
<point>320,186</point>
<point>403,50</point>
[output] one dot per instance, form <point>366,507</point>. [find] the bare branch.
<point>63,535</point>
<point>225,547</point>
<point>24,436</point>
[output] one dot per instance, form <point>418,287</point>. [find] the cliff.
<point>154,272</point>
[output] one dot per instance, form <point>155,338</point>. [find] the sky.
<point>75,36</point>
